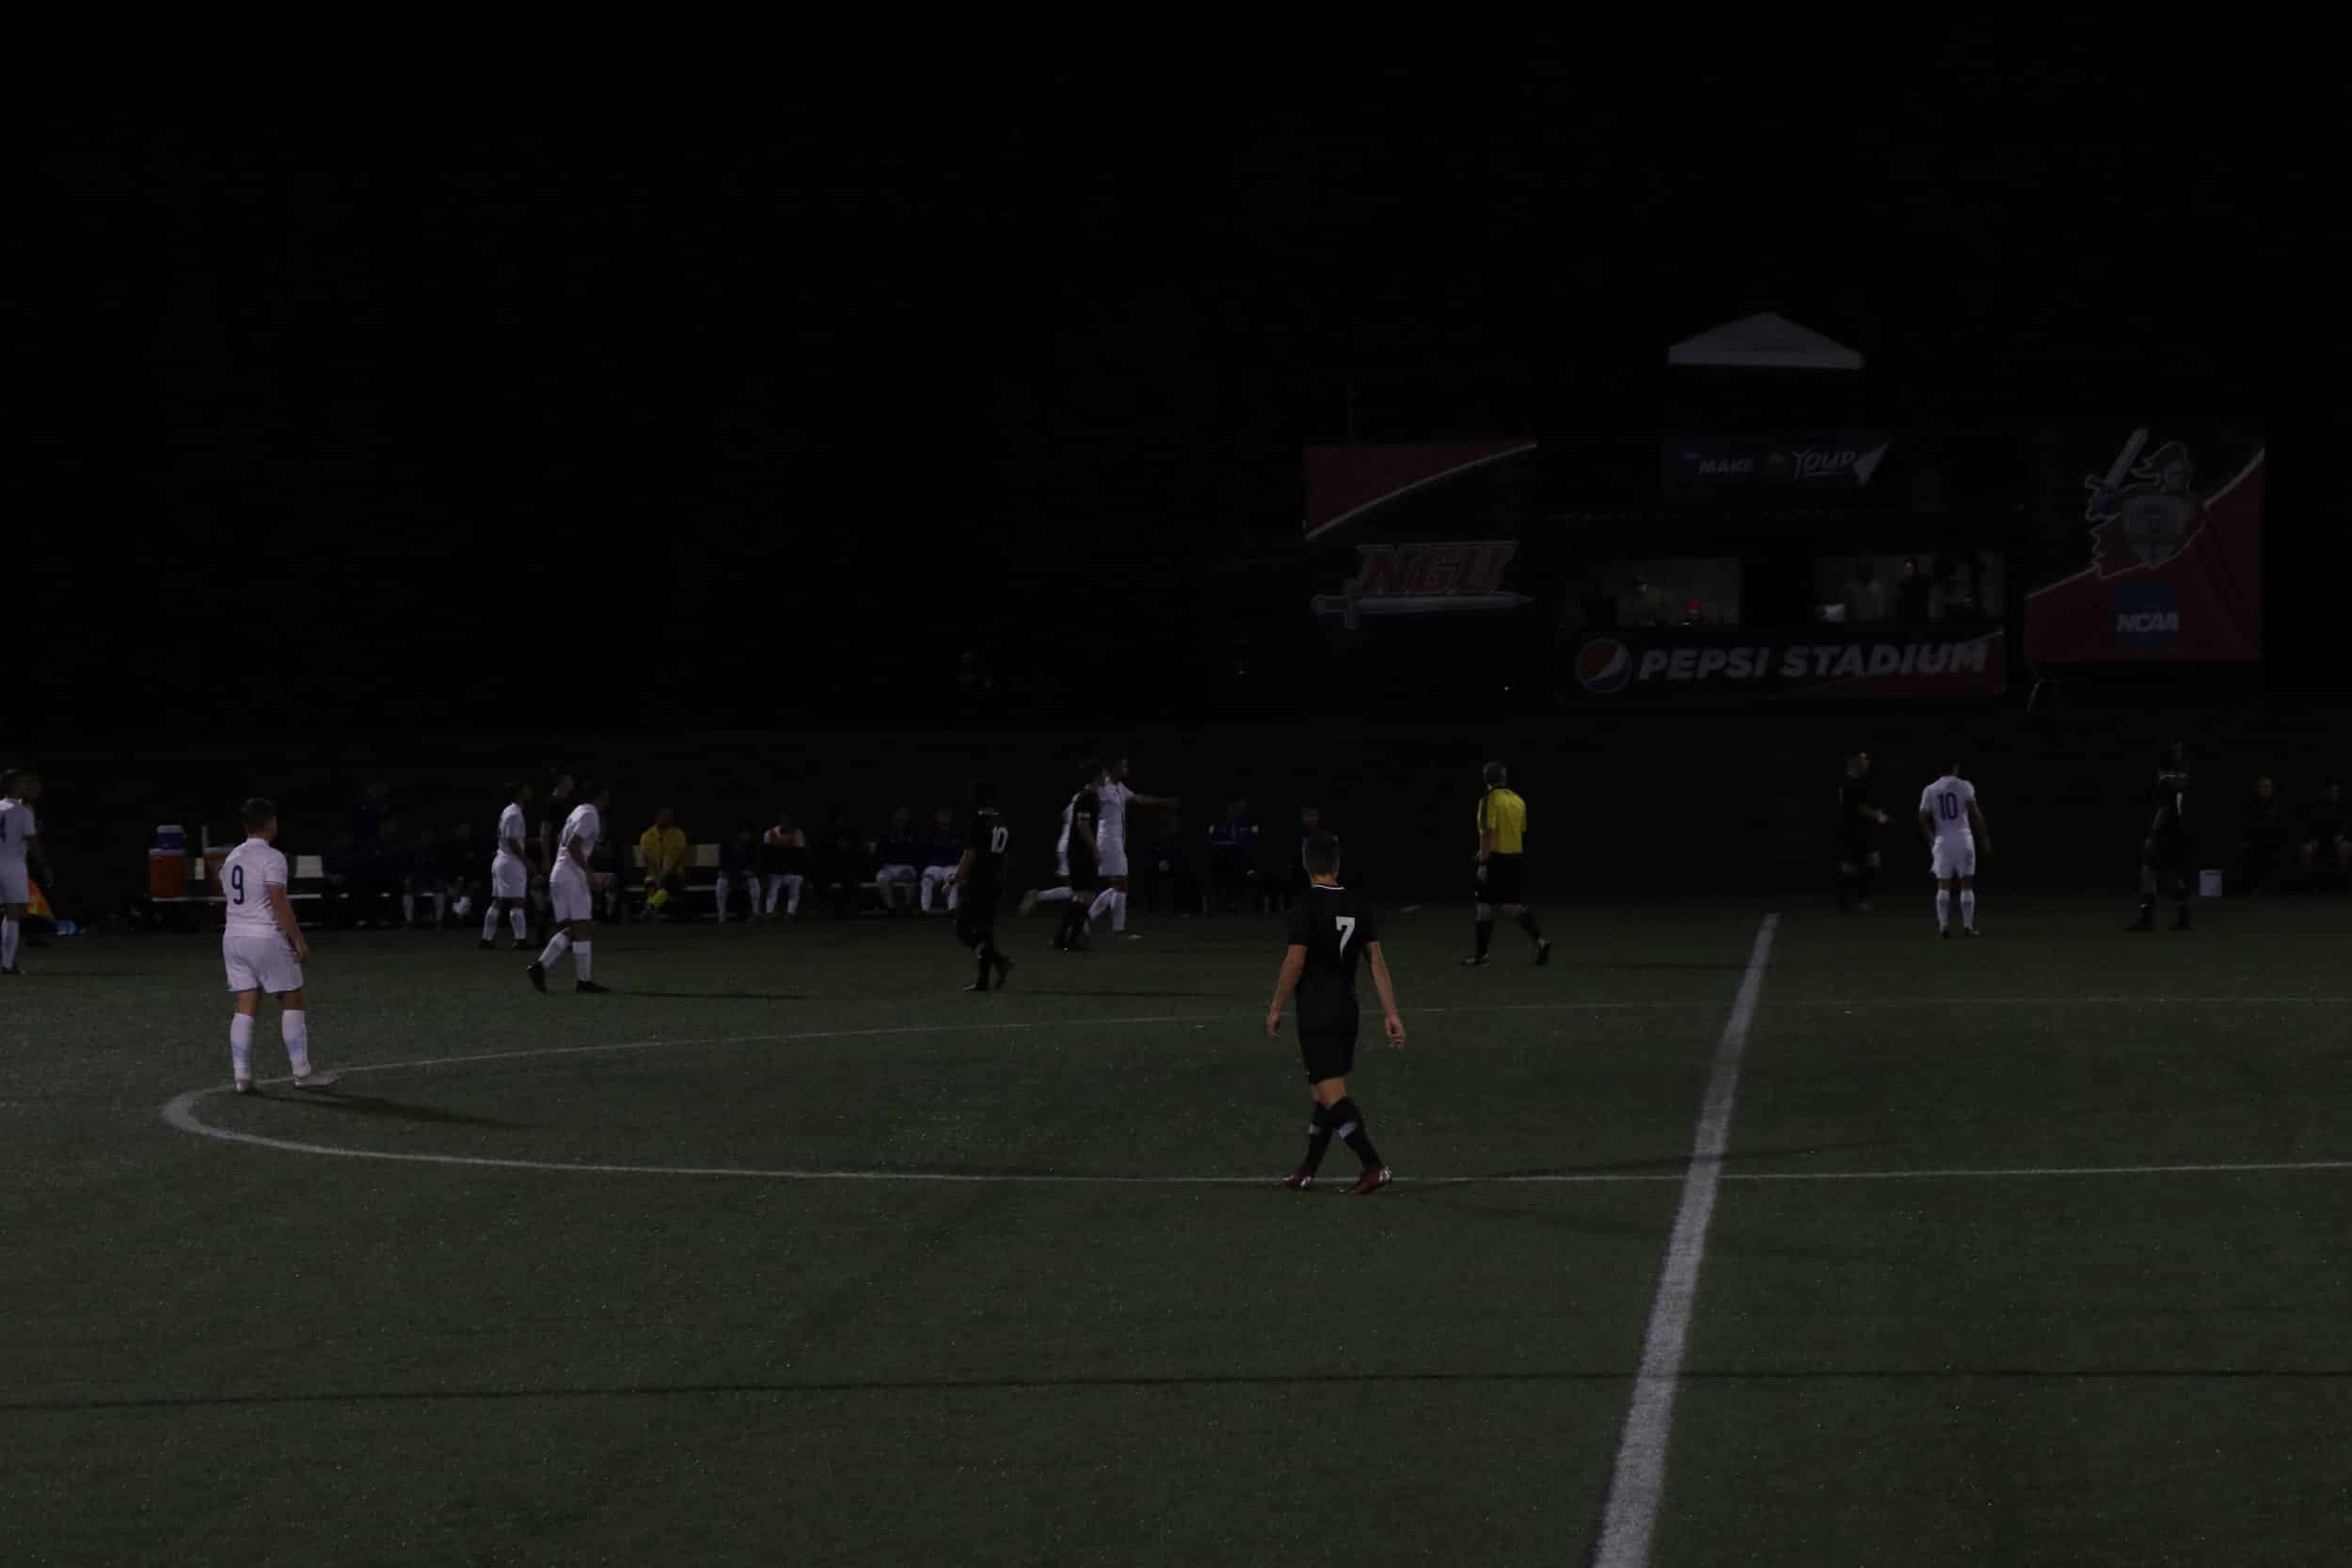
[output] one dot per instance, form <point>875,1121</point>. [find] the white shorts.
<point>895,874</point>
<point>1111,860</point>
<point>568,891</point>
<point>509,877</point>
<point>259,962</point>
<point>16,887</point>
<point>1955,857</point>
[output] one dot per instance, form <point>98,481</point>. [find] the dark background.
<point>345,432</point>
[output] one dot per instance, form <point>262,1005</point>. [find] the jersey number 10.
<point>1948,805</point>
<point>996,837</point>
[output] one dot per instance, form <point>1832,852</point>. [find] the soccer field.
<point>2035,1249</point>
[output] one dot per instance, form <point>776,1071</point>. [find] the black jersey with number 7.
<point>1334,925</point>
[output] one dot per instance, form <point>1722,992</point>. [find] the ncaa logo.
<point>1603,666</point>
<point>2147,615</point>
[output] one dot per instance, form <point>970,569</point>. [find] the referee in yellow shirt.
<point>1501,857</point>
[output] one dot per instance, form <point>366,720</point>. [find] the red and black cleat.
<point>1370,1181</point>
<point>1299,1180</point>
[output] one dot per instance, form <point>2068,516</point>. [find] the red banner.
<point>1345,481</point>
<point>2175,569</point>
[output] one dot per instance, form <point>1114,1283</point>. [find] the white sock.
<point>7,941</point>
<point>515,918</point>
<point>581,961</point>
<point>1118,912</point>
<point>1968,908</point>
<point>462,907</point>
<point>1943,910</point>
<point>561,944</point>
<point>241,1047</point>
<point>407,909</point>
<point>1053,894</point>
<point>1102,902</point>
<point>792,886</point>
<point>490,923</point>
<point>775,890</point>
<point>725,888</point>
<point>923,900</point>
<point>295,1025</point>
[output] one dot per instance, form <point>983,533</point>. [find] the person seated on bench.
<point>899,851</point>
<point>665,851</point>
<point>942,851</point>
<point>782,869</point>
<point>738,868</point>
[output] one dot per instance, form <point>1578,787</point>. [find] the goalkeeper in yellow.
<point>1501,856</point>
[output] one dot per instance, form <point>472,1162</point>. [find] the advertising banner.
<point>2175,568</point>
<point>1834,460</point>
<point>1733,664</point>
<point>1346,484</point>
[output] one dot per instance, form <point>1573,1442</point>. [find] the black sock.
<point>1318,1139</point>
<point>1073,920</point>
<point>1486,935</point>
<point>1347,1120</point>
<point>1862,883</point>
<point>1846,880</point>
<point>985,954</point>
<point>1527,924</point>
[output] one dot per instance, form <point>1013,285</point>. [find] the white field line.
<point>1638,1484</point>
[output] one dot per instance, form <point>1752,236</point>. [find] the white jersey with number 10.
<point>1947,800</point>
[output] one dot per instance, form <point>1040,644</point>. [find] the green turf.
<point>227,1353</point>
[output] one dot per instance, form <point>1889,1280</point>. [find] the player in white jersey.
<point>510,871</point>
<point>1090,772</point>
<point>1955,829</point>
<point>20,841</point>
<point>572,889</point>
<point>262,949</point>
<point>1110,841</point>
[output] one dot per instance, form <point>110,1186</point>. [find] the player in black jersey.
<point>1329,930</point>
<point>980,874</point>
<point>2167,848</point>
<point>1857,862</point>
<point>1086,810</point>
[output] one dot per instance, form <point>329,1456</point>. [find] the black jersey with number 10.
<point>1334,925</point>
<point>986,836</point>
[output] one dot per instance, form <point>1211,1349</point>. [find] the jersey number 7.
<point>1346,923</point>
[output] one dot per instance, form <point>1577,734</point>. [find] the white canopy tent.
<point>1764,341</point>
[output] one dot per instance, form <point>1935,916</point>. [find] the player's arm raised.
<point>1386,990</point>
<point>1977,826</point>
<point>1286,982</point>
<point>1170,801</point>
<point>281,909</point>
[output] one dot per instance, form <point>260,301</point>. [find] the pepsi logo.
<point>1603,666</point>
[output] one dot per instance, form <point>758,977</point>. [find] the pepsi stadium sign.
<point>1668,663</point>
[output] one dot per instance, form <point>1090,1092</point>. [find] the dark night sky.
<point>789,406</point>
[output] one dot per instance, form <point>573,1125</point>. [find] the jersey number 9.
<point>236,885</point>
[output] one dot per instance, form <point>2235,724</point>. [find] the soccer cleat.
<point>1970,931</point>
<point>315,1080</point>
<point>978,986</point>
<point>1944,931</point>
<point>485,944</point>
<point>1370,1181</point>
<point>538,973</point>
<point>2145,923</point>
<point>1476,960</point>
<point>11,970</point>
<point>1867,908</point>
<point>243,1085</point>
<point>1300,1180</point>
<point>1130,936</point>
<point>519,947</point>
<point>1543,953</point>
<point>590,988</point>
<point>1004,970</point>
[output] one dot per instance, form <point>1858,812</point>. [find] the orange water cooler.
<point>168,862</point>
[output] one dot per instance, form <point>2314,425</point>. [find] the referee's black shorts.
<point>1327,1047</point>
<point>1506,881</point>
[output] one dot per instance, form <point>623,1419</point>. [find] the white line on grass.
<point>1639,1482</point>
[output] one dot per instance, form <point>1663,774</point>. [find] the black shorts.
<point>1084,876</point>
<point>2166,853</point>
<point>976,922</point>
<point>1506,881</point>
<point>1328,1050</point>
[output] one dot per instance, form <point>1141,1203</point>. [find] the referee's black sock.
<point>1347,1120</point>
<point>1527,924</point>
<point>1485,936</point>
<point>1318,1139</point>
